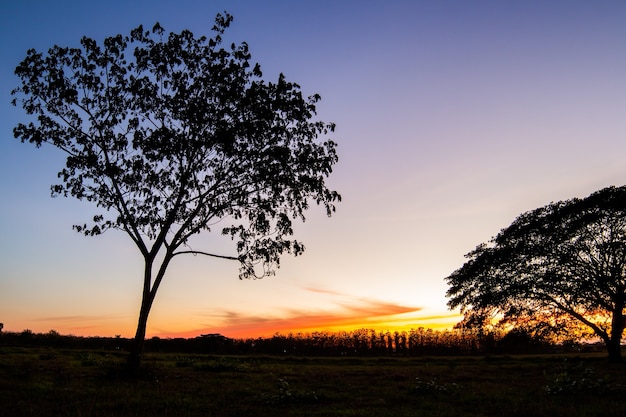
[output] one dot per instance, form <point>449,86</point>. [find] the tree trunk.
<point>613,345</point>
<point>615,352</point>
<point>134,359</point>
<point>149,292</point>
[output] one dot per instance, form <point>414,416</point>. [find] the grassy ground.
<point>43,382</point>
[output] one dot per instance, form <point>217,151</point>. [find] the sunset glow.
<point>452,118</point>
<point>379,317</point>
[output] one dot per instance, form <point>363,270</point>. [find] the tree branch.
<point>196,252</point>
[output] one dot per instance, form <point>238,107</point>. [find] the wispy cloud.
<point>79,318</point>
<point>81,325</point>
<point>363,313</point>
<point>323,291</point>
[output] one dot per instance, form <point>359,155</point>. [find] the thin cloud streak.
<point>366,313</point>
<point>86,325</point>
<point>79,318</point>
<point>323,291</point>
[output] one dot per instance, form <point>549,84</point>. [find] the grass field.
<point>46,382</point>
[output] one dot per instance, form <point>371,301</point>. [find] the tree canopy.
<point>170,135</point>
<point>559,269</point>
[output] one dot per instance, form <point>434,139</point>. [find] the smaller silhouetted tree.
<point>559,269</point>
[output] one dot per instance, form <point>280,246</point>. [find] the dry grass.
<point>41,382</point>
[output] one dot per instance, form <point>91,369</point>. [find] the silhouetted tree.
<point>552,269</point>
<point>522,342</point>
<point>171,135</point>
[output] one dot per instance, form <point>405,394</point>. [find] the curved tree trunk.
<point>134,358</point>
<point>149,292</point>
<point>136,351</point>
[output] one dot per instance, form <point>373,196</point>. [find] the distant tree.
<point>559,268</point>
<point>172,135</point>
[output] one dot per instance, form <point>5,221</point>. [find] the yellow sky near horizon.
<point>452,118</point>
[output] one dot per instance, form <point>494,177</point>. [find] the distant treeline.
<point>363,342</point>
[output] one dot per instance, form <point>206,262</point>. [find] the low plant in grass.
<point>287,395</point>
<point>47,356</point>
<point>89,359</point>
<point>185,361</point>
<point>211,365</point>
<point>434,386</point>
<point>575,379</point>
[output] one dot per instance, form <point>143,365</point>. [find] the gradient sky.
<point>453,117</point>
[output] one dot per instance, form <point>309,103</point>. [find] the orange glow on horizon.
<point>363,313</point>
<point>375,316</point>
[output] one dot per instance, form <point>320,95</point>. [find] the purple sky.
<point>453,117</point>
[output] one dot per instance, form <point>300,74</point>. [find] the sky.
<point>453,117</point>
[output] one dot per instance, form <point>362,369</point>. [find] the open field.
<point>66,382</point>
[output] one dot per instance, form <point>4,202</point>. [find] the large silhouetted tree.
<point>552,268</point>
<point>171,135</point>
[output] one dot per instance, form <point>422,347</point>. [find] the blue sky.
<point>453,117</point>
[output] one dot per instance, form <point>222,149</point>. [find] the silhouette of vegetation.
<point>357,343</point>
<point>171,135</point>
<point>558,271</point>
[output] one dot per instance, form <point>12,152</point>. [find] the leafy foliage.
<point>553,270</point>
<point>174,133</point>
<point>171,135</point>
